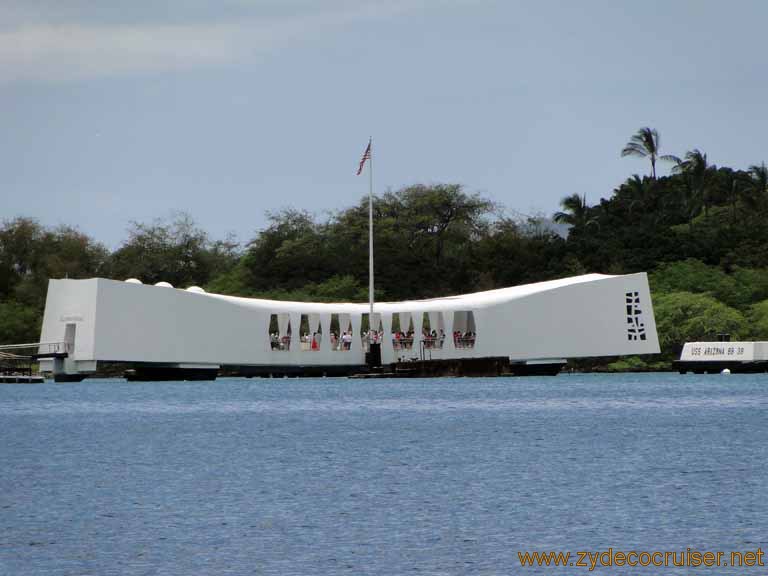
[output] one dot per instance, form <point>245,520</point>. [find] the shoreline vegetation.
<point>701,233</point>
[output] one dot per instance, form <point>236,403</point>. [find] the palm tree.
<point>757,191</point>
<point>694,163</point>
<point>732,197</point>
<point>644,144</point>
<point>575,212</point>
<point>696,171</point>
<point>639,192</point>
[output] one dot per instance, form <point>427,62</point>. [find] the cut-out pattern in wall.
<point>464,329</point>
<point>279,332</point>
<point>635,324</point>
<point>311,332</point>
<point>341,332</point>
<point>433,330</point>
<point>402,331</point>
<point>370,333</point>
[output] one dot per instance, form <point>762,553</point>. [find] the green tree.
<point>515,252</point>
<point>687,317</point>
<point>758,321</point>
<point>575,212</point>
<point>639,193</point>
<point>335,289</point>
<point>425,240</point>
<point>291,252</point>
<point>695,169</point>
<point>694,276</point>
<point>19,324</point>
<point>20,241</point>
<point>644,143</point>
<point>755,193</point>
<point>428,235</point>
<point>441,211</point>
<point>30,255</point>
<point>175,251</point>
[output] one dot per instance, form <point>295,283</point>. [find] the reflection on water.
<point>355,405</point>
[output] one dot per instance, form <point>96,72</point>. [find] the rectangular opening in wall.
<point>341,332</point>
<point>433,330</point>
<point>402,331</point>
<point>370,333</point>
<point>279,332</point>
<point>311,332</point>
<point>464,329</point>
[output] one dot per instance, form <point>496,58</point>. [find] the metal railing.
<point>402,343</point>
<point>34,348</point>
<point>282,344</point>
<point>427,342</point>
<point>342,345</point>
<point>433,342</point>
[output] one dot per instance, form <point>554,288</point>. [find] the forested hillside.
<point>701,232</point>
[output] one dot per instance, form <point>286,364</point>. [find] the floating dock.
<point>16,364</point>
<point>15,379</point>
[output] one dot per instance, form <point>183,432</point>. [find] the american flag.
<point>366,156</point>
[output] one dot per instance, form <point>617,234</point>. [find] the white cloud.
<point>72,51</point>
<point>61,52</point>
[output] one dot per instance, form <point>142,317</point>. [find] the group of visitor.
<point>343,342</point>
<point>400,340</point>
<point>433,339</point>
<point>463,340</point>
<point>338,343</point>
<point>374,336</point>
<point>404,340</point>
<point>278,343</point>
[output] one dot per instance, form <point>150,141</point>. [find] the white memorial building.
<point>101,320</point>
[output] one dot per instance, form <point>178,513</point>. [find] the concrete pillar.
<point>418,322</point>
<point>357,337</point>
<point>449,345</point>
<point>325,322</point>
<point>387,352</point>
<point>295,330</point>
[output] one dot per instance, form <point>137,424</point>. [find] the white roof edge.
<point>458,302</point>
<point>474,301</point>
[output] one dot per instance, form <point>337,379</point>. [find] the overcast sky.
<point>121,111</point>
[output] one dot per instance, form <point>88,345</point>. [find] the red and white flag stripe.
<point>366,156</point>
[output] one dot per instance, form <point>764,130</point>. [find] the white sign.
<point>718,351</point>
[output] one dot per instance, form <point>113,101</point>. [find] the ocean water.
<point>335,476</point>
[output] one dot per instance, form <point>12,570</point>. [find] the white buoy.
<point>726,371</point>
<point>133,281</point>
<point>164,285</point>
<point>196,289</point>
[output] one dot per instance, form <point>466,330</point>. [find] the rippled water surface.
<point>327,476</point>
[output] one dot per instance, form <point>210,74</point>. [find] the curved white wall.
<point>574,317</point>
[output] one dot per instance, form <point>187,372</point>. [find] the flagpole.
<point>370,239</point>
